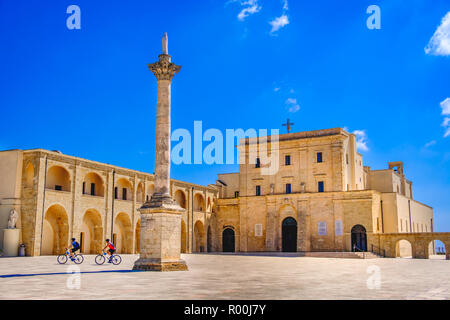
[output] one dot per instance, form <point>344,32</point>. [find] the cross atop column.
<point>288,125</point>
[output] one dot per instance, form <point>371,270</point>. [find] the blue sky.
<point>89,93</point>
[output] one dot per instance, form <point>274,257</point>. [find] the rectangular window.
<point>124,193</point>
<point>288,188</point>
<point>378,224</point>
<point>236,194</point>
<point>320,186</point>
<point>322,228</point>
<point>319,157</point>
<point>92,189</point>
<point>59,188</point>
<point>258,163</point>
<point>258,190</point>
<point>338,228</point>
<point>84,187</point>
<point>258,230</point>
<point>346,158</point>
<point>116,196</point>
<point>287,160</point>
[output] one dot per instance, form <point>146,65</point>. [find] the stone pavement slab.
<point>228,276</point>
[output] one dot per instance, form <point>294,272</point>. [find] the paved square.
<point>222,276</point>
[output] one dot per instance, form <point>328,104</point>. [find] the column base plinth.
<point>161,203</point>
<point>151,265</point>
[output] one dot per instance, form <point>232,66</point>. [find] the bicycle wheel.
<point>100,259</point>
<point>79,259</point>
<point>116,260</point>
<point>62,259</point>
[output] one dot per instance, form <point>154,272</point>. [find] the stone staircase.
<point>342,255</point>
<point>367,255</point>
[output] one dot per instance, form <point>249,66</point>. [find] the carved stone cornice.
<point>164,69</point>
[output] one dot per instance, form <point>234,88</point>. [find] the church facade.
<point>321,199</point>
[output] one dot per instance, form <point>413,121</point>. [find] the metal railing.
<point>378,251</point>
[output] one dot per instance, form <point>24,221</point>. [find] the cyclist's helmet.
<point>107,240</point>
<point>73,239</point>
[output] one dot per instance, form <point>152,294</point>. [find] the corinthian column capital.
<point>164,69</point>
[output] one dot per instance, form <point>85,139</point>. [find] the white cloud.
<point>292,105</point>
<point>445,105</point>
<point>279,23</point>
<point>251,7</point>
<point>446,125</point>
<point>439,44</point>
<point>447,133</point>
<point>446,122</point>
<point>277,89</point>
<point>285,5</point>
<point>361,140</point>
<point>431,143</point>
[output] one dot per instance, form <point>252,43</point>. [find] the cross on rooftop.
<point>288,125</point>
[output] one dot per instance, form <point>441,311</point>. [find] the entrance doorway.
<point>228,240</point>
<point>289,235</point>
<point>359,238</point>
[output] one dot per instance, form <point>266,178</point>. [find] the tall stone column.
<point>160,244</point>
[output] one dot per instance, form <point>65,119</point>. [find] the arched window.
<point>93,185</point>
<point>58,178</point>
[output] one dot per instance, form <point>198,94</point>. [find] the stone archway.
<point>55,233</point>
<point>437,250</point>
<point>140,193</point>
<point>29,176</point>
<point>228,240</point>
<point>123,233</point>
<point>199,237</point>
<point>58,178</point>
<point>359,238</point>
<point>180,198</point>
<point>289,235</point>
<point>123,190</point>
<point>93,185</point>
<point>92,231</point>
<point>403,249</point>
<point>199,202</point>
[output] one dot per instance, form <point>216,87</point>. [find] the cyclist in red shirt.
<point>111,249</point>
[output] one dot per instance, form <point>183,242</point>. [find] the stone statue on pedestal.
<point>12,220</point>
<point>302,187</point>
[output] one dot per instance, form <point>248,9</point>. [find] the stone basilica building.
<point>321,199</point>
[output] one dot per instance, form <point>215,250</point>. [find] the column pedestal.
<point>11,238</point>
<point>160,245</point>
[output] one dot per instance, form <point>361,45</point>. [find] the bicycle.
<point>114,258</point>
<point>62,258</point>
